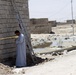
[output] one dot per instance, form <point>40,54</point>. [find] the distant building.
<point>39,25</point>
<point>53,23</point>
<point>61,23</point>
<point>70,21</point>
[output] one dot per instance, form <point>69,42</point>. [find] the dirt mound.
<point>5,69</point>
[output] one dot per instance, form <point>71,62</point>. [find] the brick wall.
<point>53,23</point>
<point>8,24</point>
<point>39,26</point>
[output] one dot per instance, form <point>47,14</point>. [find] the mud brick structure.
<point>53,23</point>
<point>40,25</point>
<point>8,24</point>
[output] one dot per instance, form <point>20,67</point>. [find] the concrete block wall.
<point>9,23</point>
<point>53,23</point>
<point>39,26</point>
<point>40,29</point>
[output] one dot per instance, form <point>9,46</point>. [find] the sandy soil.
<point>61,65</point>
<point>4,69</point>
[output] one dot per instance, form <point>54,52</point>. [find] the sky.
<point>59,10</point>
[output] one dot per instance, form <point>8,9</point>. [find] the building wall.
<point>53,23</point>
<point>70,21</point>
<point>9,23</point>
<point>40,26</point>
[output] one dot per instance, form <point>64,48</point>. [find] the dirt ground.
<point>4,69</point>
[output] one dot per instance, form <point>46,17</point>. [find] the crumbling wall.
<point>9,23</point>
